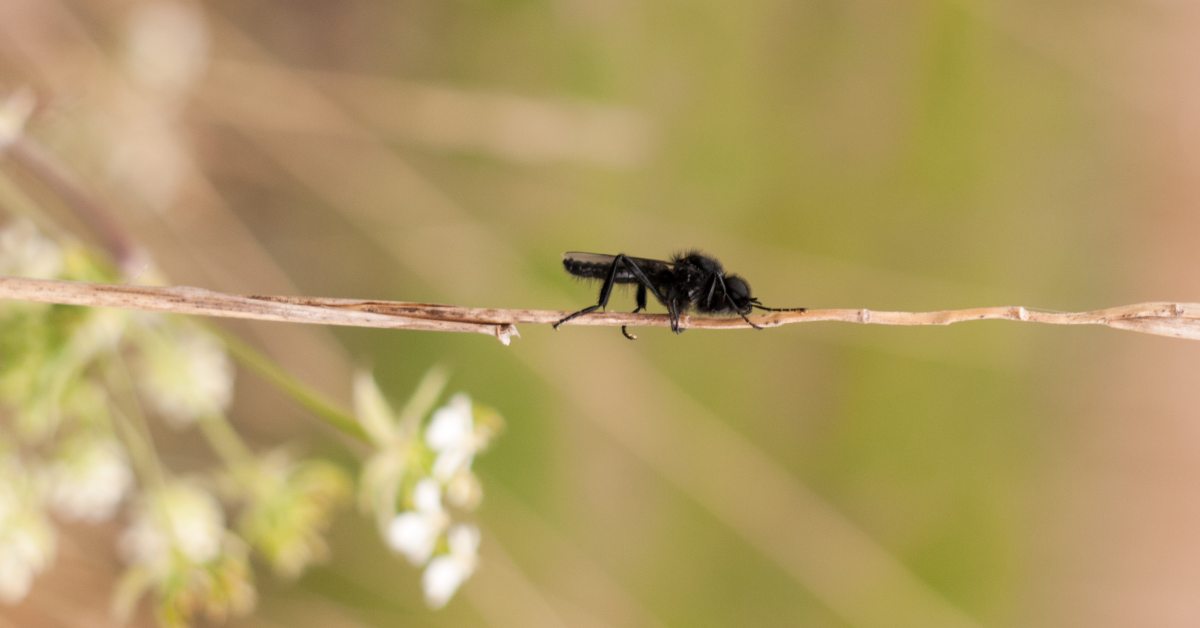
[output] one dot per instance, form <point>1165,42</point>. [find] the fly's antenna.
<point>755,304</point>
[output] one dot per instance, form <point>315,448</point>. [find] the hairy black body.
<point>690,280</point>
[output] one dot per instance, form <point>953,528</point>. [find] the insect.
<point>690,280</point>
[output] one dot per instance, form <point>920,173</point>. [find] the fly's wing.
<point>599,265</point>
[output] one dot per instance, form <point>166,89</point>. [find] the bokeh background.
<point>848,153</point>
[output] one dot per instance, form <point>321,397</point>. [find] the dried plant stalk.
<point>1177,320</point>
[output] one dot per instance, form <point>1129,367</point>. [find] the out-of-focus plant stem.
<point>325,410</point>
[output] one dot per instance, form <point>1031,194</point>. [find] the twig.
<point>42,165</point>
<point>1177,320</point>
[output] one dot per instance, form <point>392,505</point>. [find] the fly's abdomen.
<point>587,270</point>
<point>599,266</point>
<point>594,266</point>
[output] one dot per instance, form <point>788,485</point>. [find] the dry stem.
<point>1178,320</point>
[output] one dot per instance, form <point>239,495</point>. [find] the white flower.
<point>24,252</point>
<point>25,549</point>
<point>185,373</point>
<point>415,533</point>
<point>463,491</point>
<point>101,331</point>
<point>446,573</point>
<point>411,534</point>
<point>180,517</point>
<point>179,551</point>
<point>451,433</point>
<point>26,538</point>
<point>89,481</point>
<point>453,436</point>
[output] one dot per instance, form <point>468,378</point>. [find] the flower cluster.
<point>78,390</point>
<point>75,445</point>
<point>57,451</point>
<point>285,508</point>
<point>77,448</point>
<point>420,479</point>
<point>183,371</point>
<point>26,536</point>
<point>179,547</point>
<point>88,478</point>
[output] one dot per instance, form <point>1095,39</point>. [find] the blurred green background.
<point>925,155</point>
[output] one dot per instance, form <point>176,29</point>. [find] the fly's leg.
<point>641,305</point>
<point>673,311</point>
<point>644,284</point>
<point>751,322</point>
<point>712,290</point>
<point>605,292</point>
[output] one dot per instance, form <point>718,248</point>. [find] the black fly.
<point>690,280</point>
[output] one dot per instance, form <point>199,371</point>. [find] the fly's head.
<point>737,295</point>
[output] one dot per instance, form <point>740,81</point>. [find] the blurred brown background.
<point>841,153</point>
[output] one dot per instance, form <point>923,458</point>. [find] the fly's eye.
<point>737,289</point>
<point>737,293</point>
